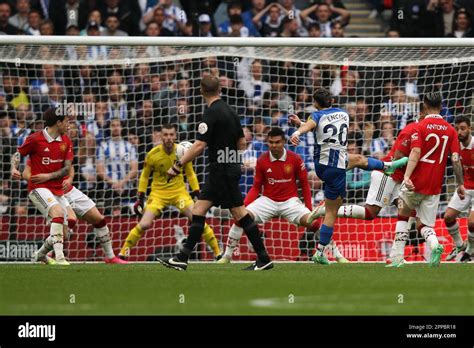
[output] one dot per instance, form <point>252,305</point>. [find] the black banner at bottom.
<point>140,331</point>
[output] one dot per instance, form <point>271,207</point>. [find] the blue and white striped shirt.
<point>117,156</point>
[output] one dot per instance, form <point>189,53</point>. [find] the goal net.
<point>145,84</point>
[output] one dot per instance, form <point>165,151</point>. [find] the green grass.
<point>150,289</point>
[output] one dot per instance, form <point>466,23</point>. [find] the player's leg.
<point>48,205</point>
<point>467,256</point>
<point>153,208</point>
<point>426,213</point>
<point>456,205</point>
<point>369,163</point>
<point>185,204</point>
<point>405,207</point>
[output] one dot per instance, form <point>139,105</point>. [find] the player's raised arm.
<point>304,128</point>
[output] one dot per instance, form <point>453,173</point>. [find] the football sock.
<point>56,232</point>
<point>253,234</point>
<point>374,164</point>
<point>235,233</point>
<point>354,211</point>
<point>401,237</point>
<point>430,236</point>
<point>453,230</point>
<point>103,234</point>
<point>195,231</point>
<point>470,241</point>
<point>325,234</point>
<point>132,239</point>
<point>211,240</point>
<point>46,247</point>
<point>335,250</point>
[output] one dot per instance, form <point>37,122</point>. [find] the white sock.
<point>353,211</point>
<point>103,234</point>
<point>235,233</point>
<point>470,242</point>
<point>454,233</point>
<point>430,236</point>
<point>56,232</point>
<point>387,165</point>
<point>401,237</point>
<point>335,250</point>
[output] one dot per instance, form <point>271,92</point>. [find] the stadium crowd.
<point>130,103</point>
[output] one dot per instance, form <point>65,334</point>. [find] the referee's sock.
<point>195,231</point>
<point>253,234</point>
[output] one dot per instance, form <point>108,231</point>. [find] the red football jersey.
<point>70,187</point>
<point>402,144</point>
<point>467,161</point>
<point>436,138</point>
<point>47,155</point>
<point>278,178</point>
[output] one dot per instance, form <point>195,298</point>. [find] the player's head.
<point>463,127</point>
<point>322,98</point>
<point>168,136</point>
<point>210,86</point>
<point>59,120</point>
<point>115,128</point>
<point>276,141</point>
<point>432,104</point>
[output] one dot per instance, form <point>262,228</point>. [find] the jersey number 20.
<point>341,134</point>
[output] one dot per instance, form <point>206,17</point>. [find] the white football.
<point>182,148</point>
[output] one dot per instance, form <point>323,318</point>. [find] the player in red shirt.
<point>424,175</point>
<point>277,172</point>
<point>51,155</point>
<point>457,205</point>
<point>81,205</point>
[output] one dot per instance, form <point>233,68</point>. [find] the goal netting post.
<point>145,83</point>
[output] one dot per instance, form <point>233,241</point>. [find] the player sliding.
<point>331,125</point>
<point>456,204</point>
<point>81,205</point>
<point>424,175</point>
<point>165,192</point>
<point>51,156</point>
<point>277,171</point>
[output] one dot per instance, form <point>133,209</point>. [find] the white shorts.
<point>79,202</point>
<point>383,190</point>
<point>460,205</point>
<point>43,199</point>
<point>264,209</point>
<point>426,206</point>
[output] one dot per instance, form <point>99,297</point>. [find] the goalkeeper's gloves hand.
<point>139,204</point>
<point>174,170</point>
<point>195,195</point>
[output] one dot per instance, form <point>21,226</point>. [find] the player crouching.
<point>277,171</point>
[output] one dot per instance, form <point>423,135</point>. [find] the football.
<point>182,148</point>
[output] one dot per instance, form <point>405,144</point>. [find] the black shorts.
<point>222,186</point>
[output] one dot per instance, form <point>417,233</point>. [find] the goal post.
<point>147,82</point>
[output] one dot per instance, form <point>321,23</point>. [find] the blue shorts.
<point>334,181</point>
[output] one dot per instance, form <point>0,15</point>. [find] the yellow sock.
<point>211,240</point>
<point>132,239</point>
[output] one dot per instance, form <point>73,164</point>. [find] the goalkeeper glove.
<point>138,206</point>
<point>195,195</point>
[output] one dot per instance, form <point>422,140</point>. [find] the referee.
<point>222,132</point>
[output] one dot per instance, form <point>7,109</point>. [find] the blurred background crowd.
<point>131,102</point>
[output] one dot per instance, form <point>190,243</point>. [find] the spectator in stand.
<point>95,52</point>
<point>337,30</point>
<point>97,125</point>
<point>323,16</point>
<point>392,33</point>
<point>86,155</point>
<point>15,88</point>
<point>233,9</point>
<point>247,16</point>
<point>410,81</point>
<point>255,87</point>
<point>67,13</point>
<point>249,162</point>
<point>128,13</point>
<point>47,28</point>
<point>372,146</point>
<point>117,106</point>
<point>174,17</point>
<point>205,25</point>
<point>357,180</point>
<point>34,21</point>
<point>293,12</point>
<point>388,134</point>
<point>117,166</point>
<point>270,26</point>
<point>23,116</point>
<point>5,26</point>
<point>411,23</point>
<point>314,30</point>
<point>158,18</point>
<point>20,19</point>
<point>238,29</point>
<point>232,95</point>
<point>289,27</point>
<point>112,25</point>
<point>462,25</point>
<point>184,121</point>
<point>440,18</point>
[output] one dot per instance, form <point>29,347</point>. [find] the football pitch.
<point>212,289</point>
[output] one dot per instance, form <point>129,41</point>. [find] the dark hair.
<point>276,132</point>
<point>236,19</point>
<point>234,4</point>
<point>315,26</point>
<point>322,97</point>
<point>50,117</point>
<point>433,99</point>
<point>286,20</point>
<point>210,85</point>
<point>461,119</point>
<point>168,126</point>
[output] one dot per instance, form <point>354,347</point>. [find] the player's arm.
<point>413,160</point>
<point>304,128</point>
<point>58,174</point>
<point>194,151</point>
<point>192,179</point>
<point>142,186</point>
<point>67,183</point>
<point>24,150</point>
<point>257,185</point>
<point>302,176</point>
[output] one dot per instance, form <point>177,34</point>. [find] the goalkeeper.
<point>165,193</point>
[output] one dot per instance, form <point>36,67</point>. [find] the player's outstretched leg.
<point>369,163</point>
<point>453,228</point>
<point>136,233</point>
<point>346,211</point>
